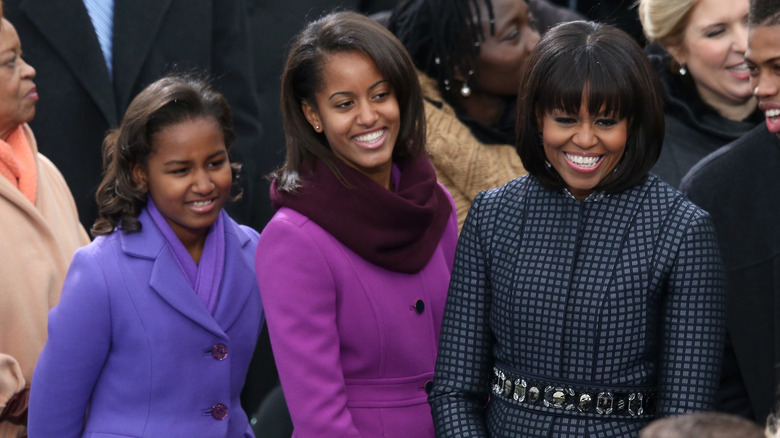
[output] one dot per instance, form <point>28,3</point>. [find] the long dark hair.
<point>606,67</point>
<point>341,32</point>
<point>166,102</point>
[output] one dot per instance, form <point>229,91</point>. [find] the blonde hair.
<point>664,21</point>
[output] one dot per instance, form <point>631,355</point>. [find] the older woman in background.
<point>39,231</point>
<point>701,65</point>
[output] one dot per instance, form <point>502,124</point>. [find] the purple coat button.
<point>219,351</point>
<point>419,306</point>
<point>219,411</point>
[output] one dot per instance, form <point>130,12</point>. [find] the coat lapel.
<point>166,278</point>
<point>238,280</point>
<point>67,27</point>
<point>136,24</point>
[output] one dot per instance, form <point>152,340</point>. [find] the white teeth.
<point>371,137</point>
<point>740,68</point>
<point>773,113</point>
<point>583,161</point>
<point>201,203</point>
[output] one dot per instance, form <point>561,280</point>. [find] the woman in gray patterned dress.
<point>586,297</point>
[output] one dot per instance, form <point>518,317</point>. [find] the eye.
<point>606,123</point>
<point>712,33</point>
<point>11,62</point>
<point>564,120</point>
<point>753,70</point>
<point>217,163</point>
<point>513,35</point>
<point>382,95</point>
<point>344,104</point>
<point>178,171</point>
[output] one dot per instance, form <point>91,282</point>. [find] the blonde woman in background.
<point>698,53</point>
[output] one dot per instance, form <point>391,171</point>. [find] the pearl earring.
<point>465,91</point>
<point>682,70</point>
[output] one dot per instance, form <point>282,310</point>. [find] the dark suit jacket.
<point>738,185</point>
<point>151,37</point>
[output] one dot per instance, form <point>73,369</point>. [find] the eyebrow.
<point>180,162</point>
<point>348,93</point>
<point>767,61</point>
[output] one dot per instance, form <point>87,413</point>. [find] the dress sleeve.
<point>693,324</point>
<point>79,336</point>
<point>463,365</point>
<point>299,298</point>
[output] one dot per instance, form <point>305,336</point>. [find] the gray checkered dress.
<point>617,291</point>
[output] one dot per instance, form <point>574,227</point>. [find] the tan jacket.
<point>463,164</point>
<point>36,246</point>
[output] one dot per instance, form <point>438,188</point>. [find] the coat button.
<point>419,306</point>
<point>428,387</point>
<point>219,351</point>
<point>219,411</point>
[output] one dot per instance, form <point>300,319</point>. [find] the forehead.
<point>343,71</point>
<point>9,40</point>
<point>763,44</point>
<point>503,11</point>
<point>707,12</point>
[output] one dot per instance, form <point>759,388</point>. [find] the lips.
<point>583,162</point>
<point>739,71</point>
<point>371,140</point>
<point>772,120</point>
<point>202,205</point>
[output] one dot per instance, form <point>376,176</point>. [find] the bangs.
<point>608,92</point>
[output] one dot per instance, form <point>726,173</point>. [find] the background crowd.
<point>608,186</point>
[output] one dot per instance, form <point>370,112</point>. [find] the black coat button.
<point>219,411</point>
<point>428,387</point>
<point>419,306</point>
<point>219,351</point>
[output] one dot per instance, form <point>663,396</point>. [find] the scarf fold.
<point>17,163</point>
<point>205,277</point>
<point>396,230</point>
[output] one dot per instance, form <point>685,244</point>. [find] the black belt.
<point>524,391</point>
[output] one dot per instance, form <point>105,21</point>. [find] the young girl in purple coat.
<point>353,268</point>
<point>160,313</point>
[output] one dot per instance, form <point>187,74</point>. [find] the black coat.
<point>617,291</point>
<point>739,186</point>
<point>693,128</point>
<point>78,103</point>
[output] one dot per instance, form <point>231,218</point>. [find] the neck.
<point>193,242</point>
<point>729,109</point>
<point>486,109</point>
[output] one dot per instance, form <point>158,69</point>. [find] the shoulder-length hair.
<point>341,32</point>
<point>604,66</point>
<point>166,102</point>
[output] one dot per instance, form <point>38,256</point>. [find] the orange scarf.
<point>17,163</point>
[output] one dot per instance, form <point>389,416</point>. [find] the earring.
<point>317,128</point>
<point>682,70</point>
<point>465,91</point>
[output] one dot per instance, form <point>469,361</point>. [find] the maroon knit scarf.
<point>398,231</point>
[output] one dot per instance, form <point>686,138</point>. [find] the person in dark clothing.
<point>698,53</point>
<point>738,185</point>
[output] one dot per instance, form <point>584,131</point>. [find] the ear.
<point>678,53</point>
<point>312,116</point>
<point>139,177</point>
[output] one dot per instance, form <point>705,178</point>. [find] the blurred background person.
<point>353,268</point>
<point>94,56</point>
<point>698,53</point>
<point>470,55</point>
<point>39,232</point>
<point>738,185</point>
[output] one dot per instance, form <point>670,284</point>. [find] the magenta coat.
<point>355,344</point>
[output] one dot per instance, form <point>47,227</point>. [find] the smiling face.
<point>713,48</point>
<point>583,148</point>
<point>502,54</point>
<point>188,176</point>
<point>763,58</point>
<point>357,110</point>
<point>18,94</point>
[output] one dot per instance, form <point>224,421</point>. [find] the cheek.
<point>707,55</point>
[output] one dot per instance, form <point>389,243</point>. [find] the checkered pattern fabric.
<point>622,290</point>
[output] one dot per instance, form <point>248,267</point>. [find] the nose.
<point>367,114</point>
<point>203,183</point>
<point>739,44</point>
<point>584,137</point>
<point>28,71</point>
<point>764,85</point>
<point>531,38</point>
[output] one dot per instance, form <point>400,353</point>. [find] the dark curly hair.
<point>764,13</point>
<point>167,101</point>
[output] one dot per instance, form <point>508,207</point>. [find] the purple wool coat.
<point>355,344</point>
<point>134,352</point>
